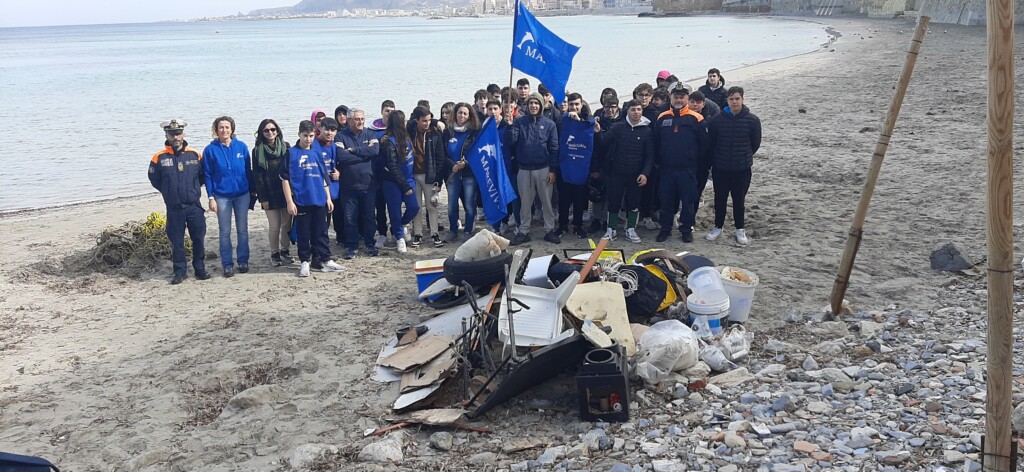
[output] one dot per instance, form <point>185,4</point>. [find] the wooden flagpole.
<point>511,70</point>
<point>997,452</point>
<point>857,229</point>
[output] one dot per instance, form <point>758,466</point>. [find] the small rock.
<point>952,456</point>
<point>821,456</point>
<point>904,389</point>
<point>306,454</point>
<point>442,441</point>
<point>805,447</point>
<point>810,363</point>
<point>482,459</point>
<point>947,257</point>
<point>734,441</point>
<point>385,451</point>
<point>869,329</point>
<point>250,398</point>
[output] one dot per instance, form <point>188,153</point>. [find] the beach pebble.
<point>384,451</point>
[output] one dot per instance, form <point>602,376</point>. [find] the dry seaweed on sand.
<point>134,247</point>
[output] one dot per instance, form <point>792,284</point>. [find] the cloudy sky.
<point>81,12</point>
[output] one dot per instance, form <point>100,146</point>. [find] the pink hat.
<point>664,74</point>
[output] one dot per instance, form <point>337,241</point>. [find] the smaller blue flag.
<point>488,165</point>
<point>538,52</point>
<point>575,150</point>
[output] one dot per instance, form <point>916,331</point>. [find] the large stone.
<point>385,451</point>
<point>251,398</point>
<point>305,455</point>
<point>442,441</point>
<point>947,257</point>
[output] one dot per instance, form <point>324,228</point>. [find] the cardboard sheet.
<point>605,304</point>
<point>427,374</point>
<point>418,353</point>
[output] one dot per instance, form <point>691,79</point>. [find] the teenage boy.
<point>735,136</point>
<point>429,171</point>
<point>328,153</point>
<point>573,174</point>
<point>628,162</point>
<point>381,207</point>
<point>480,104</point>
<point>714,88</point>
<point>680,137</point>
<point>523,92</point>
<point>177,173</point>
<point>307,190</point>
<point>533,142</point>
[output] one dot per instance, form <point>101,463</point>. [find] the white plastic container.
<point>704,279</point>
<point>707,310</point>
<point>741,295</point>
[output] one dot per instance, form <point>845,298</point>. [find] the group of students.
<point>651,158</point>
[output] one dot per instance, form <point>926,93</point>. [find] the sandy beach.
<point>101,372</point>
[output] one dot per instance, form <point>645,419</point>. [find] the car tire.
<point>478,273</point>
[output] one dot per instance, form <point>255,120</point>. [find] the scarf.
<point>262,151</point>
<point>460,129</point>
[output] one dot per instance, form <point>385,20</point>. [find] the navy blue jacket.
<point>177,175</point>
<point>356,160</point>
<point>734,140</point>
<point>533,142</point>
<point>680,139</point>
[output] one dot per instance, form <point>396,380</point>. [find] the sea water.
<point>81,105</point>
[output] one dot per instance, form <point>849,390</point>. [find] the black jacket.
<point>177,175</point>
<point>434,156</point>
<point>734,140</point>
<point>355,161</point>
<point>679,139</point>
<point>630,148</point>
<point>717,95</point>
<point>394,165</point>
<point>267,182</point>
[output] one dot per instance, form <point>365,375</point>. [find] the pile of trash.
<point>135,245</point>
<point>515,320</point>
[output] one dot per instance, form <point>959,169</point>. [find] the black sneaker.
<point>560,231</point>
<point>275,259</point>
<point>204,275</point>
<point>581,233</point>
<point>286,257</point>
<point>317,263</point>
<point>416,241</point>
<point>519,238</point>
<point>229,272</point>
<point>688,237</point>
<point>178,278</point>
<point>243,268</point>
<point>350,254</point>
<point>552,237</point>
<point>663,236</point>
<point>596,226</point>
<point>372,251</point>
<point>437,241</point>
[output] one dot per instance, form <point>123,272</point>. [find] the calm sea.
<point>82,104</point>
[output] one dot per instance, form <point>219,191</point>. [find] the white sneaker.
<point>408,234</point>
<point>713,234</point>
<point>331,266</point>
<point>632,236</point>
<point>650,224</point>
<point>304,269</point>
<point>741,237</point>
<point>380,241</point>
<point>401,246</point>
<point>610,234</point>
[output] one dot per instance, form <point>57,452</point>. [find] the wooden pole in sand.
<point>999,200</point>
<point>857,229</point>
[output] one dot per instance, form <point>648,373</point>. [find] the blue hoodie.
<point>328,154</point>
<point>307,175</point>
<point>228,169</point>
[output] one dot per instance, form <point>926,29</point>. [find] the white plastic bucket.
<point>704,279</point>
<point>707,310</point>
<point>741,294</point>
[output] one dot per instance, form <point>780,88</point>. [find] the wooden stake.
<point>999,201</point>
<point>857,229</point>
<point>603,243</point>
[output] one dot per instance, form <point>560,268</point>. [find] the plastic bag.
<point>483,245</point>
<point>735,344</point>
<point>666,347</point>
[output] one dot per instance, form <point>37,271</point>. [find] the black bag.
<point>650,292</point>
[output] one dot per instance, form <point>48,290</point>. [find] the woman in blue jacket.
<point>459,138</point>
<point>397,181</point>
<point>228,169</point>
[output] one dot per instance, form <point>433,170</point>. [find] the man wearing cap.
<point>679,140</point>
<point>177,173</point>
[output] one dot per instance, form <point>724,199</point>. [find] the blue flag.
<point>538,52</point>
<point>575,149</point>
<point>488,165</point>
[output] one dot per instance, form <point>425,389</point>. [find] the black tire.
<point>448,300</point>
<point>477,273</point>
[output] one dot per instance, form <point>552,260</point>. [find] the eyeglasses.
<point>644,95</point>
<point>269,130</point>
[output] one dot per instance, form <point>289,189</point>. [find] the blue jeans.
<point>359,206</point>
<point>462,187</point>
<point>394,197</point>
<point>240,207</point>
